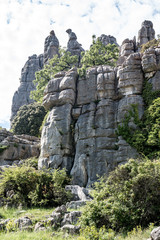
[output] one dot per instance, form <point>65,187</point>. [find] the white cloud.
<point>25,24</point>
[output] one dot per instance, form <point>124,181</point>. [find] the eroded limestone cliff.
<point>80,132</point>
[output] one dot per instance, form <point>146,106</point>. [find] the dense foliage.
<point>62,62</point>
<point>27,186</point>
<point>99,54</point>
<point>128,198</point>
<point>151,43</point>
<point>28,120</point>
<point>145,137</point>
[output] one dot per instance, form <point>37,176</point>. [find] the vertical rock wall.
<point>35,63</point>
<point>80,132</point>
<point>22,95</point>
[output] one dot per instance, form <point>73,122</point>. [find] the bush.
<point>98,54</point>
<point>146,138</point>
<point>28,120</point>
<point>31,187</point>
<point>128,198</point>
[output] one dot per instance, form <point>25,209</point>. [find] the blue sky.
<point>25,24</point>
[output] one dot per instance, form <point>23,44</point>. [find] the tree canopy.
<point>62,62</point>
<point>28,120</point>
<point>99,54</point>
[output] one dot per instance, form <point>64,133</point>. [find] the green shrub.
<point>152,43</point>
<point>98,54</point>
<point>31,187</point>
<point>128,198</point>
<point>31,162</point>
<point>92,233</point>
<point>28,120</point>
<point>146,138</point>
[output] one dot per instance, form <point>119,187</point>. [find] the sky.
<point>24,25</point>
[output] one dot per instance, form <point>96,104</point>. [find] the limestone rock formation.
<point>35,63</point>
<point>84,141</point>
<point>106,39</point>
<point>80,132</point>
<point>73,46</point>
<point>14,148</point>
<point>22,95</point>
<point>51,46</point>
<point>146,33</point>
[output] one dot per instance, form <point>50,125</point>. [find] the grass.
<point>35,214</point>
<point>42,213</point>
<point>42,235</point>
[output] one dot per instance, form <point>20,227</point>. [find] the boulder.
<point>155,234</point>
<point>71,229</point>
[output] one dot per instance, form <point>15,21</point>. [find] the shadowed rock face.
<point>22,95</point>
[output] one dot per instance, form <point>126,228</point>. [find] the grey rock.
<point>128,47</point>
<point>71,229</point>
<point>17,147</point>
<point>76,204</point>
<point>78,193</point>
<point>3,224</point>
<point>62,210</point>
<point>155,234</point>
<point>73,46</point>
<point>51,46</point>
<point>80,132</point>
<point>23,223</point>
<point>22,95</point>
<point>106,39</point>
<point>39,227</point>
<point>71,218</point>
<point>146,33</point>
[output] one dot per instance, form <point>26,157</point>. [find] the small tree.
<point>28,120</point>
<point>62,62</point>
<point>99,54</point>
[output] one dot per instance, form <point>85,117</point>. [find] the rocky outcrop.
<point>22,95</point>
<point>80,132</point>
<point>146,33</point>
<point>14,148</point>
<point>35,63</point>
<point>51,46</point>
<point>73,46</point>
<point>106,39</point>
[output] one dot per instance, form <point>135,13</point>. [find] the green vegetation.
<point>30,187</point>
<point>146,136</point>
<point>28,120</point>
<point>128,198</point>
<point>62,62</point>
<point>31,162</point>
<point>98,54</point>
<point>89,233</point>
<point>152,43</point>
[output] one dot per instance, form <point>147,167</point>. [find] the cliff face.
<point>79,133</point>
<point>22,95</point>
<point>34,63</point>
